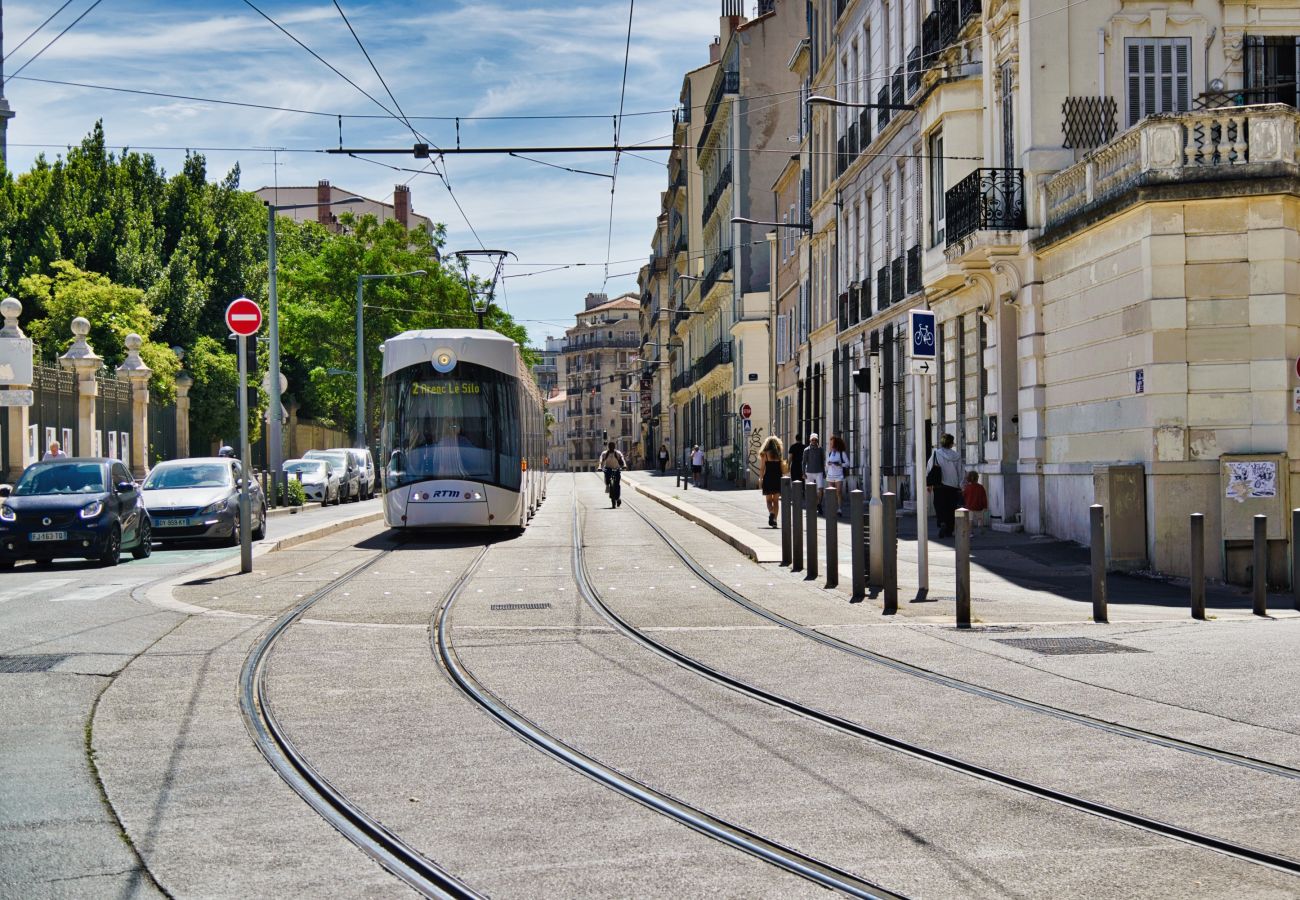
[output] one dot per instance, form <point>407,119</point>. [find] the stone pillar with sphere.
<point>84,363</point>
<point>183,384</point>
<point>19,416</point>
<point>134,370</point>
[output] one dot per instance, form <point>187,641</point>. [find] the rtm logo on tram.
<point>421,389</point>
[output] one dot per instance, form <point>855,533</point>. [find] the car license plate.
<point>41,536</point>
<point>171,523</point>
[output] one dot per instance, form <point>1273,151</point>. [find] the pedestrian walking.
<point>770,454</point>
<point>55,451</point>
<point>697,465</point>
<point>944,478</point>
<point>837,460</point>
<point>976,501</point>
<point>663,458</point>
<point>814,466</point>
<point>796,458</point>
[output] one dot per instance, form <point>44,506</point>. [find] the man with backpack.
<point>612,464</point>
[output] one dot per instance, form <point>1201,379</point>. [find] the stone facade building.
<point>600,371</point>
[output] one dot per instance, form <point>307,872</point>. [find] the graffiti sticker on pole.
<point>924,341</point>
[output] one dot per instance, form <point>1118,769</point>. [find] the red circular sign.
<point>746,411</point>
<point>244,316</point>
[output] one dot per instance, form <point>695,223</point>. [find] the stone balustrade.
<point>1177,147</point>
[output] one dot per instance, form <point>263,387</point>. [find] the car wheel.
<point>233,540</point>
<point>145,547</point>
<point>6,564</point>
<point>260,531</point>
<point>112,554</point>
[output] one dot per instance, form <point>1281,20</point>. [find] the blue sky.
<point>439,59</point>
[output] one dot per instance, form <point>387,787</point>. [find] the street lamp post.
<point>274,433</point>
<point>361,349</point>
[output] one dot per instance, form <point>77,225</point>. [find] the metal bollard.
<point>889,544</point>
<point>1097,523</point>
<point>796,526</point>
<point>810,514</point>
<point>961,537</point>
<point>1259,577</point>
<point>1295,558</point>
<point>858,552</point>
<point>785,520</point>
<point>1197,560</point>
<point>832,503</point>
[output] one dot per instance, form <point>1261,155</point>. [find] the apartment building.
<point>655,283</point>
<point>313,204</point>
<point>553,382</point>
<point>602,373</point>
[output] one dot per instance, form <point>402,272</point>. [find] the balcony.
<point>841,155</point>
<point>719,355</point>
<point>844,318</point>
<point>658,263</point>
<point>883,114</point>
<point>720,187</point>
<point>897,286</point>
<point>942,27</point>
<point>596,342</point>
<point>1213,145</point>
<point>882,287</point>
<point>914,71</point>
<point>897,86</point>
<point>914,269</point>
<point>864,130</point>
<point>729,83</point>
<point>985,200</point>
<point>720,266</point>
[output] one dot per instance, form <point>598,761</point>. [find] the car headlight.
<point>7,514</point>
<point>215,506</point>
<point>92,509</point>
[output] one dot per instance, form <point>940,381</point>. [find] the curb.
<point>159,593</point>
<point>757,549</point>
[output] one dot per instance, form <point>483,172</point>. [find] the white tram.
<point>464,431</point>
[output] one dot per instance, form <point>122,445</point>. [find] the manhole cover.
<point>507,607</point>
<point>35,662</point>
<point>1067,646</point>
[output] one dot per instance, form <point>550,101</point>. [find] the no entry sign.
<point>244,317</point>
<point>746,411</point>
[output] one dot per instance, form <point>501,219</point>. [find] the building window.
<point>1158,72</point>
<point>1007,104</point>
<point>1272,69</point>
<point>937,199</point>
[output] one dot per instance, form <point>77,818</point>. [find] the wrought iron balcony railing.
<point>992,199</point>
<point>897,286</point>
<point>882,287</point>
<point>729,83</point>
<point>913,269</point>
<point>720,265</point>
<point>883,114</point>
<point>719,187</point>
<point>898,86</point>
<point>913,71</point>
<point>864,130</point>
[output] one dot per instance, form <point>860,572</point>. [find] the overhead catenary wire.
<point>618,128</point>
<point>38,28</point>
<point>37,55</point>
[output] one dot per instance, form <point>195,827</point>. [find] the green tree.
<point>214,398</point>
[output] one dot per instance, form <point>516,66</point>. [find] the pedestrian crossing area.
<point>64,590</point>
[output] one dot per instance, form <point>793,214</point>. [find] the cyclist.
<point>613,463</point>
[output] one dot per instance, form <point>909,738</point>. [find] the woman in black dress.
<point>770,456</point>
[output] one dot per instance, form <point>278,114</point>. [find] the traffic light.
<point>862,380</point>
<point>250,356</point>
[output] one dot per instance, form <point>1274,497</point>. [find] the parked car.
<point>319,480</point>
<point>84,507</point>
<point>346,465</point>
<point>198,499</point>
<point>366,461</point>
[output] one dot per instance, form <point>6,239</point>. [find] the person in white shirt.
<point>612,461</point>
<point>947,493</point>
<point>837,460</point>
<point>697,465</point>
<point>55,451</point>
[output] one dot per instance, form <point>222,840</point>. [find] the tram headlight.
<point>444,360</point>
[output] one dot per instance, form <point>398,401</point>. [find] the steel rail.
<point>386,848</point>
<point>1208,842</point>
<point>949,681</point>
<point>732,835</point>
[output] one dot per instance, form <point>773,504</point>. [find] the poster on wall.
<point>98,441</point>
<point>1251,480</point>
<point>33,443</point>
<point>67,441</point>
<point>51,435</point>
<point>112,445</point>
<point>124,448</point>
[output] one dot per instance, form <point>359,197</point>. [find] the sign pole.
<point>245,535</point>
<point>919,398</point>
<point>875,510</point>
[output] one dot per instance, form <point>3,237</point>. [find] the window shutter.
<point>1182,76</point>
<point>1134,82</point>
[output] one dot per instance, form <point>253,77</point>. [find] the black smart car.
<point>73,507</point>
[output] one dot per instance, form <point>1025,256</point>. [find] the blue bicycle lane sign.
<point>924,340</point>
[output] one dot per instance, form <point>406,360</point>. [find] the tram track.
<point>728,833</point>
<point>958,684</point>
<point>1188,836</point>
<point>386,848</point>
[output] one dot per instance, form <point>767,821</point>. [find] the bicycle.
<point>614,487</point>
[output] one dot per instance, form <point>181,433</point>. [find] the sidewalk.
<point>1015,578</point>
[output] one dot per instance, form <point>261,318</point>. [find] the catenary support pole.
<point>889,510</point>
<point>785,520</point>
<point>796,526</point>
<point>1295,558</point>
<point>858,547</point>
<point>274,435</point>
<point>1097,529</point>
<point>810,513</point>
<point>875,508</point>
<point>1197,564</point>
<point>961,538</point>
<point>245,520</point>
<point>832,505</point>
<point>920,385</point>
<point>1259,574</point>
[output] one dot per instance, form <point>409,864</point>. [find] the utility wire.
<point>66,4</point>
<point>375,69</point>
<point>38,53</point>
<point>618,128</point>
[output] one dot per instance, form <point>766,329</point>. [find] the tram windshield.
<point>463,424</point>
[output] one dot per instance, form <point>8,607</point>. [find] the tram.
<point>463,433</point>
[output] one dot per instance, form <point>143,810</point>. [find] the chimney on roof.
<point>402,204</point>
<point>322,202</point>
<point>715,49</point>
<point>594,300</point>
